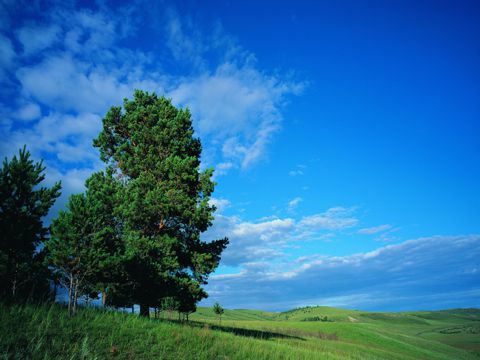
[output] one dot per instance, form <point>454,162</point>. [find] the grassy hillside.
<point>46,332</point>
<point>204,313</point>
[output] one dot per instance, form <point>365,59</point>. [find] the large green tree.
<point>23,204</point>
<point>164,203</point>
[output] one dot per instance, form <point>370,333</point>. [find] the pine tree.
<point>164,203</point>
<point>69,248</point>
<point>85,247</point>
<point>23,204</point>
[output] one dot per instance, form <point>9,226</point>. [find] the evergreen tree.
<point>189,293</point>
<point>23,204</point>
<point>85,247</point>
<point>164,203</point>
<point>70,249</point>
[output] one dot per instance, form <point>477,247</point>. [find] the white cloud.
<point>292,204</point>
<point>333,219</point>
<point>66,138</point>
<point>37,38</point>
<point>28,112</point>
<point>271,237</point>
<point>263,231</point>
<point>295,172</point>
<point>7,55</point>
<point>65,83</point>
<point>223,168</point>
<point>220,204</point>
<point>375,229</point>
<point>251,241</point>
<point>239,104</point>
<point>184,41</point>
<point>236,107</point>
<point>298,171</point>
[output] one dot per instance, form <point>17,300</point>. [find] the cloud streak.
<point>375,229</point>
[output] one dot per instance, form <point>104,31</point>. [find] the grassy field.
<point>46,332</point>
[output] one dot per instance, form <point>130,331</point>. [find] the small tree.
<point>169,304</point>
<point>85,246</point>
<point>189,293</point>
<point>23,204</point>
<point>218,310</point>
<point>70,248</point>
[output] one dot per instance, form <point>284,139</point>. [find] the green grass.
<point>204,313</point>
<point>46,332</point>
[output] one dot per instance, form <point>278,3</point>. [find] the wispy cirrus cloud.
<point>292,204</point>
<point>333,219</point>
<point>38,38</point>
<point>375,229</point>
<point>66,71</point>
<point>298,171</point>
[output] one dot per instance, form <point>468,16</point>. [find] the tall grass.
<point>47,332</point>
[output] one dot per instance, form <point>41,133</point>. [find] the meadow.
<point>47,332</point>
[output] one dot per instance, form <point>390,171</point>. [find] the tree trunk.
<point>14,285</point>
<point>104,298</point>
<point>70,290</point>
<point>144,310</point>
<point>75,297</point>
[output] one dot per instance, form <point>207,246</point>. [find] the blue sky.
<point>344,134</point>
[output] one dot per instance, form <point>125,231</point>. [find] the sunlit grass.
<point>46,332</point>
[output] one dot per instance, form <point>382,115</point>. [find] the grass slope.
<point>46,332</point>
<point>204,313</point>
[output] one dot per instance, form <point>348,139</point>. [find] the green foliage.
<point>164,199</point>
<point>316,318</point>
<point>23,204</point>
<point>101,194</point>
<point>217,309</point>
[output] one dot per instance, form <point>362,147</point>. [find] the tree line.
<point>134,235</point>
